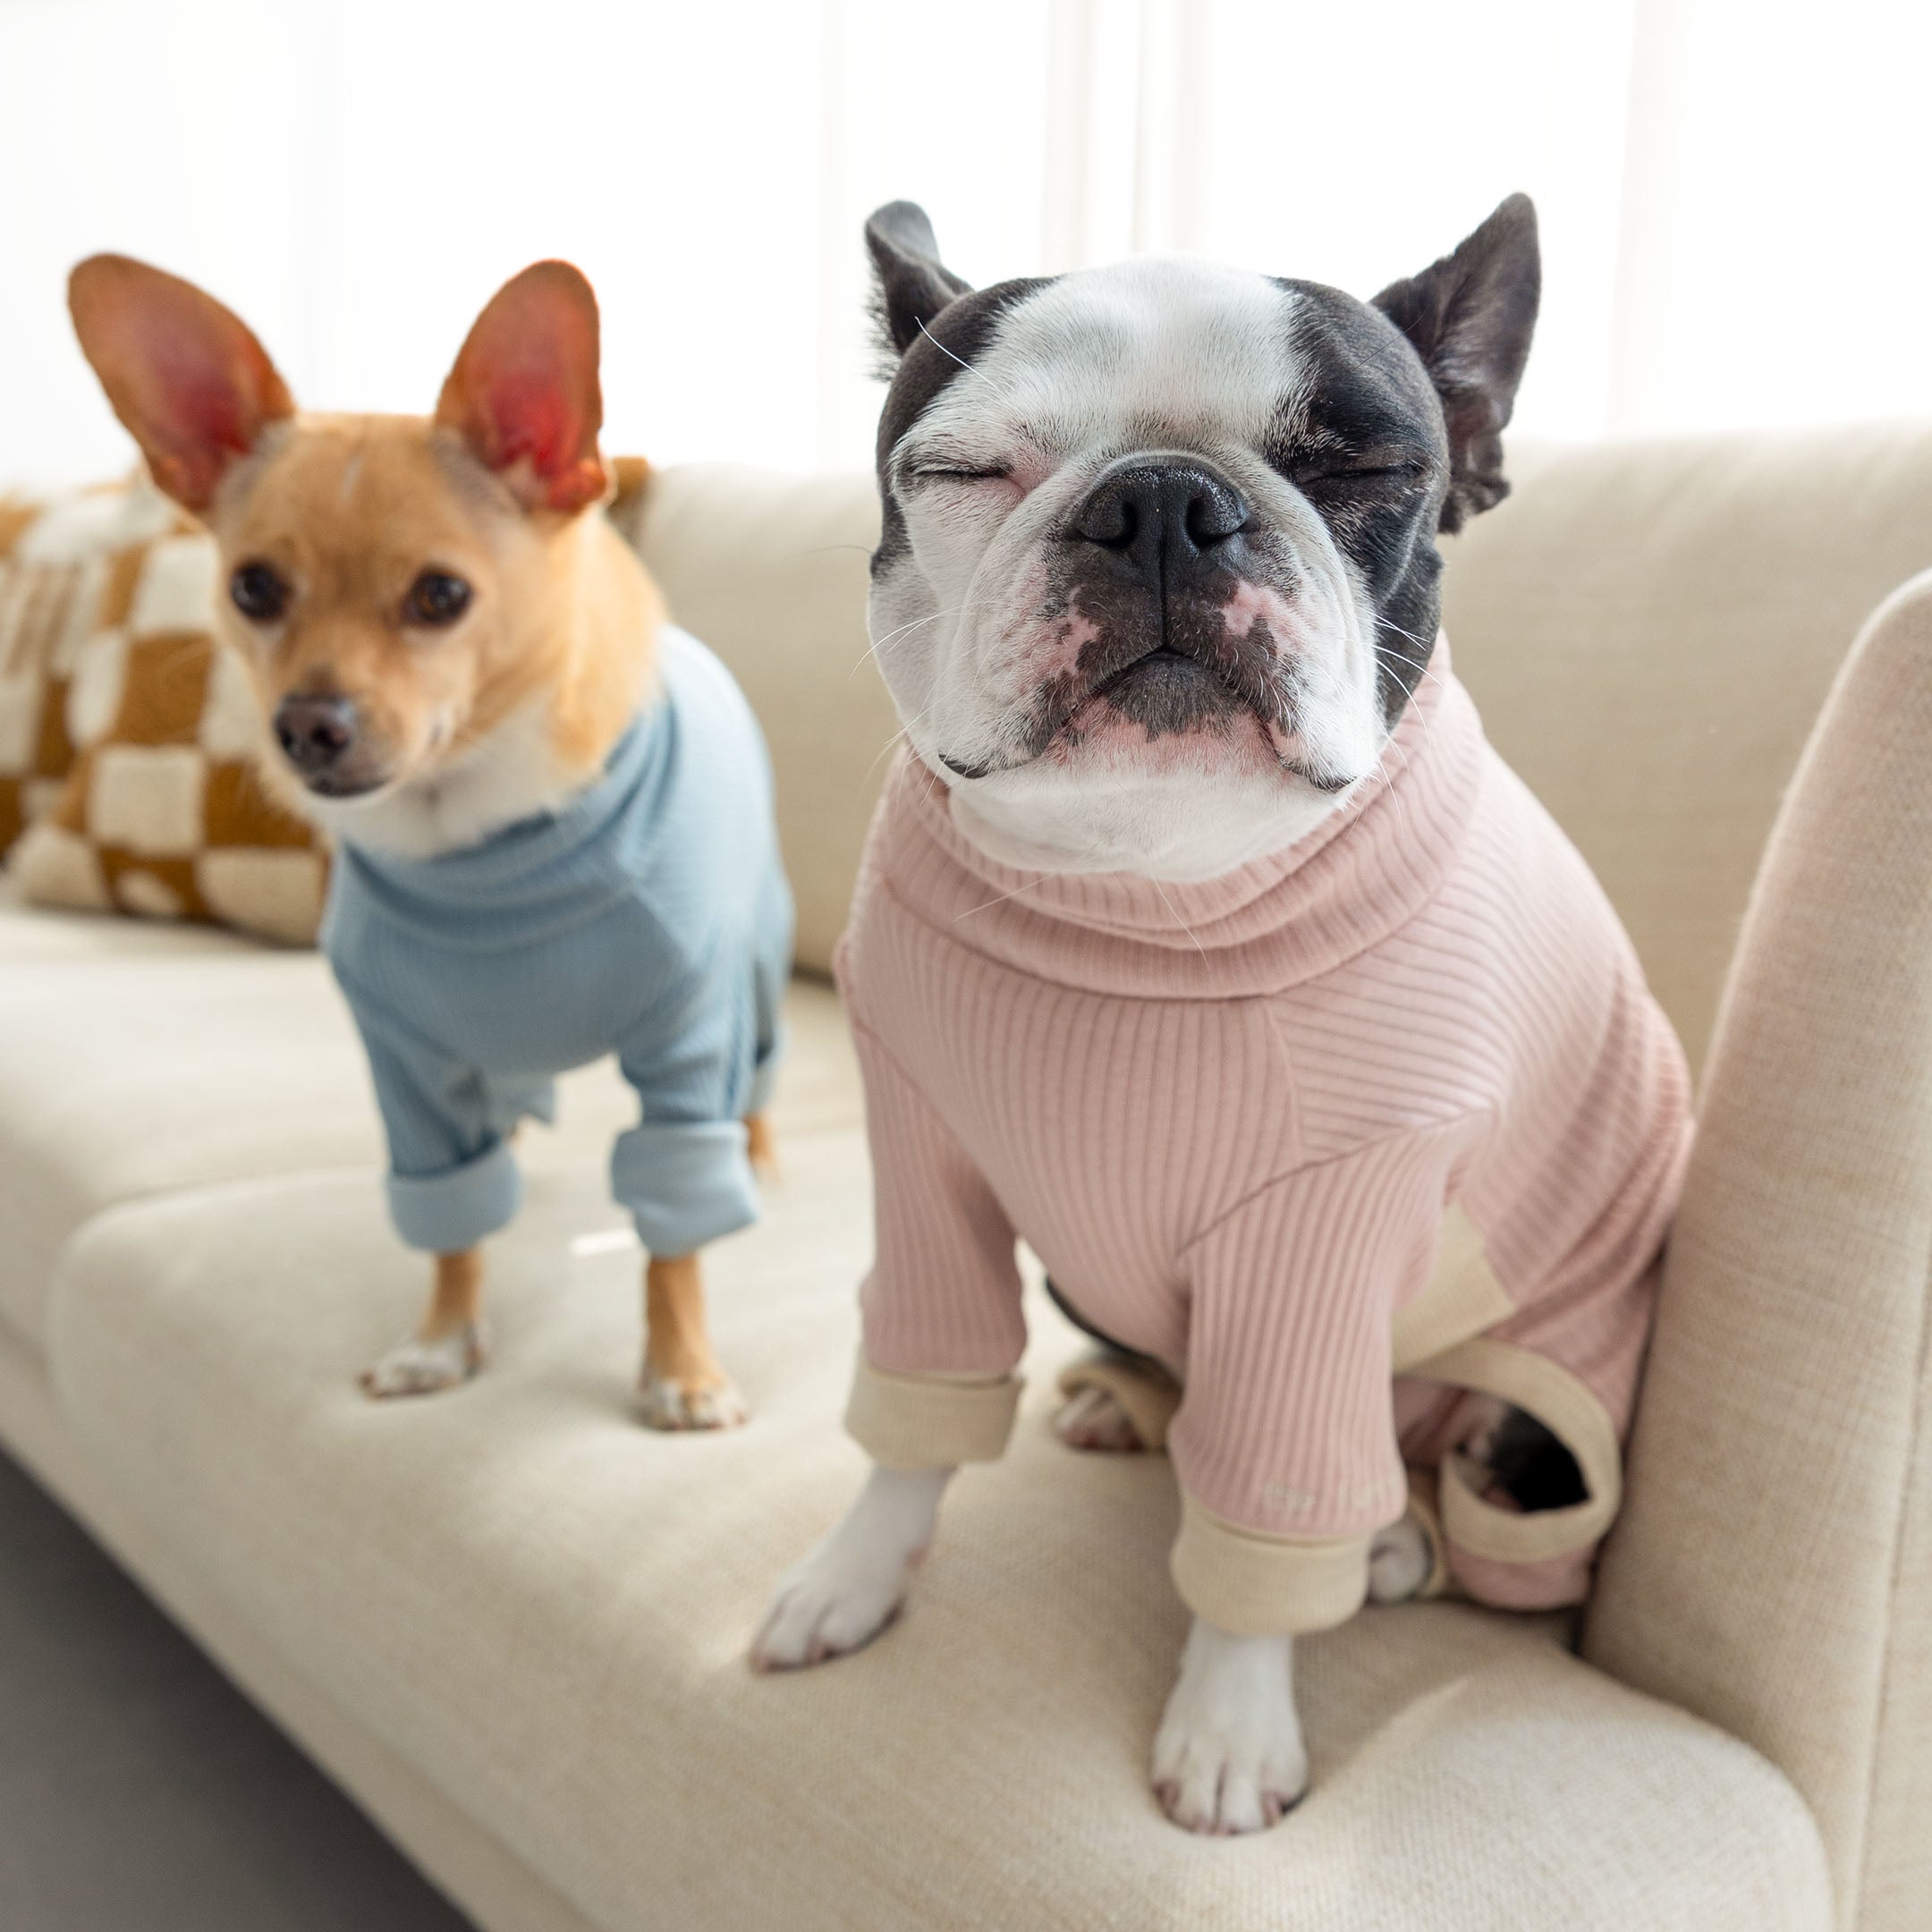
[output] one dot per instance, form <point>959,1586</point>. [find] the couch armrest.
<point>1773,1570</point>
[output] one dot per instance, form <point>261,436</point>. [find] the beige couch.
<point>513,1624</point>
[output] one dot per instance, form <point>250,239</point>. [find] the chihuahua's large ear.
<point>912,285</point>
<point>1470,316</point>
<point>194,387</point>
<point>523,393</point>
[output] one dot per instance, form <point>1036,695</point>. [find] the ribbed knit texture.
<point>647,917</point>
<point>1228,1115</point>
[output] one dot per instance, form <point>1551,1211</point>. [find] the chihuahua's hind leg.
<point>683,1386</point>
<point>450,1345</point>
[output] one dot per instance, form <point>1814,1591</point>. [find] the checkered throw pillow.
<point>67,571</point>
<point>162,813</point>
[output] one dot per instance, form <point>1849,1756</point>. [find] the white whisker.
<point>1038,878</point>
<point>1402,658</point>
<point>1178,920</point>
<point>1401,809</point>
<point>960,610</point>
<point>963,362</point>
<point>884,751</point>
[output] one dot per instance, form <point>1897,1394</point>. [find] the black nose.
<point>1160,514</point>
<point>314,732</point>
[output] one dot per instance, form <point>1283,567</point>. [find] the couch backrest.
<point>770,571</point>
<point>1650,629</point>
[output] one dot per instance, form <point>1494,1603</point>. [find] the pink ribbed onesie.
<point>1230,1116</point>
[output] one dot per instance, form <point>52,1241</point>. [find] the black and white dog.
<point>1272,448</point>
<point>1334,437</point>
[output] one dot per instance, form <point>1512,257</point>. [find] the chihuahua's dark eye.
<point>437,598</point>
<point>258,593</point>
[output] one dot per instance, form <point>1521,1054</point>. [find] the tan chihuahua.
<point>553,810</point>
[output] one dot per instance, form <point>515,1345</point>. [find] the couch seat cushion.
<point>33,932</point>
<point>137,1059</point>
<point>545,1608</point>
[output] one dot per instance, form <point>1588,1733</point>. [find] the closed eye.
<point>936,472</point>
<point>1367,468</point>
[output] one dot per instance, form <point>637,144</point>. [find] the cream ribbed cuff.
<point>930,1421</point>
<point>1566,1407</point>
<point>1264,1586</point>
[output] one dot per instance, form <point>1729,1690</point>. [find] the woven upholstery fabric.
<point>1774,1567</point>
<point>543,1609</point>
<point>457,1855</point>
<point>1648,630</point>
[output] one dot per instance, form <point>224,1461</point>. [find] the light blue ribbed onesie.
<point>648,918</point>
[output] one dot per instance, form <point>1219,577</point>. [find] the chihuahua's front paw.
<point>1093,1418</point>
<point>705,1401</point>
<point>1229,1756</point>
<point>1401,1561</point>
<point>426,1363</point>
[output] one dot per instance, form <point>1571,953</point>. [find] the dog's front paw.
<point>837,1600</point>
<point>1229,1756</point>
<point>1401,1561</point>
<point>701,1402</point>
<point>426,1363</point>
<point>1093,1418</point>
<point>851,1586</point>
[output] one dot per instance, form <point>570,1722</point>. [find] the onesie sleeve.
<point>1285,1444</point>
<point>941,1317</point>
<point>453,1179</point>
<point>682,1170</point>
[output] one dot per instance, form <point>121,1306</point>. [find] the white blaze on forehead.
<point>1100,355</point>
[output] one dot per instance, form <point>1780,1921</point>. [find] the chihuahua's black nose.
<point>314,732</point>
<point>1160,514</point>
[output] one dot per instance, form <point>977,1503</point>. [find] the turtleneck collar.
<point>1279,919</point>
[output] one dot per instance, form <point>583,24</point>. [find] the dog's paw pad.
<point>1093,1419</point>
<point>1399,1561</point>
<point>669,1403</point>
<point>424,1364</point>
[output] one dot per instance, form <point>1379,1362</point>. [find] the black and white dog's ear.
<point>911,285</point>
<point>1470,316</point>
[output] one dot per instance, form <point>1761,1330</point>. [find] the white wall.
<point>1734,196</point>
